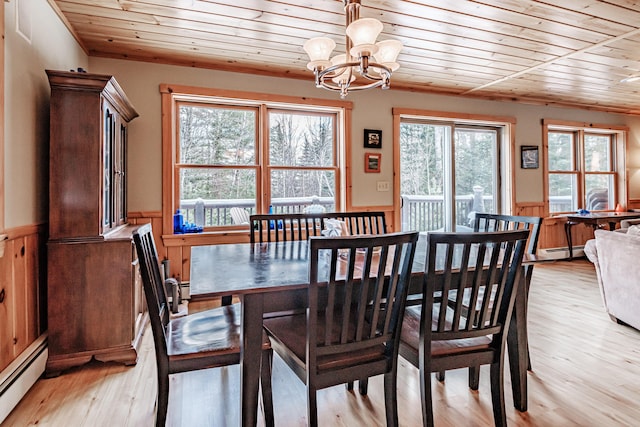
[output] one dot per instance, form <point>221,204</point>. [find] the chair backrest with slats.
<point>284,227</point>
<point>359,223</point>
<point>359,316</point>
<point>497,222</point>
<point>154,291</point>
<point>299,226</point>
<point>477,272</point>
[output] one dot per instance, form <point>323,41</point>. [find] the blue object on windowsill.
<point>583,212</point>
<point>272,224</point>
<point>178,222</point>
<point>190,227</point>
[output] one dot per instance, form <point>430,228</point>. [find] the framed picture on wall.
<point>372,138</point>
<point>372,162</point>
<point>529,157</point>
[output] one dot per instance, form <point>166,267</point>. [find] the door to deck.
<point>447,172</point>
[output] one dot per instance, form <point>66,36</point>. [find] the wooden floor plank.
<point>586,373</point>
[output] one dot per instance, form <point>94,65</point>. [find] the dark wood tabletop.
<point>272,277</point>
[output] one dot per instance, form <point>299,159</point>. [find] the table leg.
<point>517,347</point>
<point>567,232</point>
<point>250,355</point>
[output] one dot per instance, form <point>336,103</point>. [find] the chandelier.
<point>354,69</point>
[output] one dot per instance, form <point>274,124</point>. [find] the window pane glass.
<point>598,192</point>
<point>562,193</point>
<point>207,195</point>
<point>475,173</point>
<point>422,157</point>
<point>597,149</point>
<point>560,153</point>
<point>301,140</point>
<point>217,136</point>
<point>294,190</point>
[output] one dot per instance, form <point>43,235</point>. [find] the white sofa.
<point>615,255</point>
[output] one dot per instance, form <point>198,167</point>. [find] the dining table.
<point>273,278</point>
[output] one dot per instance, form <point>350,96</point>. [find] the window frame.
<point>505,197</point>
<point>172,96</point>
<point>579,172</point>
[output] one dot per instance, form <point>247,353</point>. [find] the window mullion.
<point>264,176</point>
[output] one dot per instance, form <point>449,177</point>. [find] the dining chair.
<point>498,222</point>
<point>265,228</point>
<point>203,340</point>
<point>476,270</point>
<point>300,226</point>
<point>283,227</point>
<point>487,222</point>
<point>361,222</point>
<point>351,328</point>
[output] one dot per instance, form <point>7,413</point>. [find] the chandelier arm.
<point>385,72</point>
<point>335,87</point>
<point>324,73</point>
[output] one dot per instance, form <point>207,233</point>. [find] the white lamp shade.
<point>319,48</point>
<point>364,31</point>
<point>388,51</point>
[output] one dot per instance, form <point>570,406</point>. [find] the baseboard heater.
<point>560,253</point>
<point>17,378</point>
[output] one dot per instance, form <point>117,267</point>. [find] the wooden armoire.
<point>96,306</point>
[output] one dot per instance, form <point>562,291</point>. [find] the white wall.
<point>372,110</point>
<point>27,91</point>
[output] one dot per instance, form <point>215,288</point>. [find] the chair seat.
<point>410,336</point>
<point>292,332</point>
<point>212,331</point>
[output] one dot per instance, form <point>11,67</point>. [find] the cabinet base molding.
<point>58,364</point>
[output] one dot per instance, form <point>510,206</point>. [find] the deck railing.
<point>426,213</point>
<point>423,213</point>
<point>217,212</point>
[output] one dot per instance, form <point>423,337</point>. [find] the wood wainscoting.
<point>552,234</point>
<point>22,294</point>
<point>22,312</point>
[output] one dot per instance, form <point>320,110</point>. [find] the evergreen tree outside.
<point>217,155</point>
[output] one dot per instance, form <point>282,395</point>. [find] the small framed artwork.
<point>372,138</point>
<point>529,157</point>
<point>372,162</point>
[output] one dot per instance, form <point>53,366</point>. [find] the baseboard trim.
<point>17,378</point>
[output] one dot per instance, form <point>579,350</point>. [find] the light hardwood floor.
<point>586,372</point>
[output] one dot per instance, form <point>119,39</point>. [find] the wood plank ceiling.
<point>572,53</point>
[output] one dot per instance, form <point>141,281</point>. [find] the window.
<point>582,167</point>
<point>244,152</point>
<point>449,170</point>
